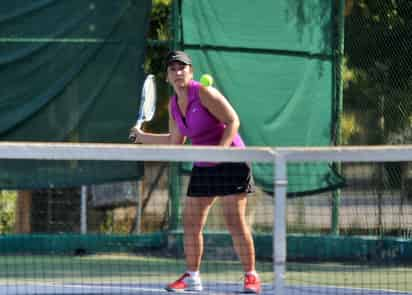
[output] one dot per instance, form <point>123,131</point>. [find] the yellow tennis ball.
<point>206,80</point>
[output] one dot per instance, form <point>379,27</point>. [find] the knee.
<point>236,226</point>
<point>192,228</point>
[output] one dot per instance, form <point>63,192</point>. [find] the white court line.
<point>79,286</point>
<point>384,291</point>
<point>97,287</point>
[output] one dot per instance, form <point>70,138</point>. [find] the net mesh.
<point>369,253</point>
<point>114,238</point>
<point>118,238</point>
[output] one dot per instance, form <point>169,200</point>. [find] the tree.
<point>159,38</point>
<point>378,45</point>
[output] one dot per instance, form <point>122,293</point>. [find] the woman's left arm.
<point>217,104</point>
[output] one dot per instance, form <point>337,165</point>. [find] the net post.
<point>83,209</point>
<point>280,183</point>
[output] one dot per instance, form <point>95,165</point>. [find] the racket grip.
<point>138,126</point>
<point>132,138</point>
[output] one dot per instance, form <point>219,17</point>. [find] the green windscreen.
<point>274,61</point>
<point>70,71</point>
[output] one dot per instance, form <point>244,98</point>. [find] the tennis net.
<point>126,237</point>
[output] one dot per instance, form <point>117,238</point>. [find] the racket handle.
<point>132,138</point>
<point>138,126</point>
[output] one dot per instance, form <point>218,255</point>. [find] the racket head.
<point>147,100</point>
<point>147,106</point>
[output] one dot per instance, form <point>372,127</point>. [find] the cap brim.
<point>179,60</point>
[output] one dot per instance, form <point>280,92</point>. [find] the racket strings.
<point>148,98</point>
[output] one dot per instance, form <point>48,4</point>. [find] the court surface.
<point>152,289</point>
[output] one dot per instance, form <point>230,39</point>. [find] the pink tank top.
<point>199,125</point>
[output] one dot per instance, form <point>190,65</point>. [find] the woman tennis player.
<point>204,115</point>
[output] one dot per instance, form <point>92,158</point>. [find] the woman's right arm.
<point>173,137</point>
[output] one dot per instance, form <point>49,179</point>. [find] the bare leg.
<point>234,211</point>
<point>194,218</point>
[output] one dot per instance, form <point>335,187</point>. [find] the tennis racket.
<point>147,103</point>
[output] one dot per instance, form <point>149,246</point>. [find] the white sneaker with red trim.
<point>251,284</point>
<point>185,283</point>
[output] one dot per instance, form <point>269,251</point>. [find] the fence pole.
<point>339,47</point>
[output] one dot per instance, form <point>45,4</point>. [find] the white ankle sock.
<point>253,272</point>
<point>193,274</point>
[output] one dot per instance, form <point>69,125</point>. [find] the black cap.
<point>178,56</point>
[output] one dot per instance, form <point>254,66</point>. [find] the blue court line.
<point>154,289</point>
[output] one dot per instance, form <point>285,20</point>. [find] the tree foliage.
<point>378,45</point>
<point>159,36</point>
<point>7,211</point>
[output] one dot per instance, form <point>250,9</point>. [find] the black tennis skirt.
<point>220,180</point>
